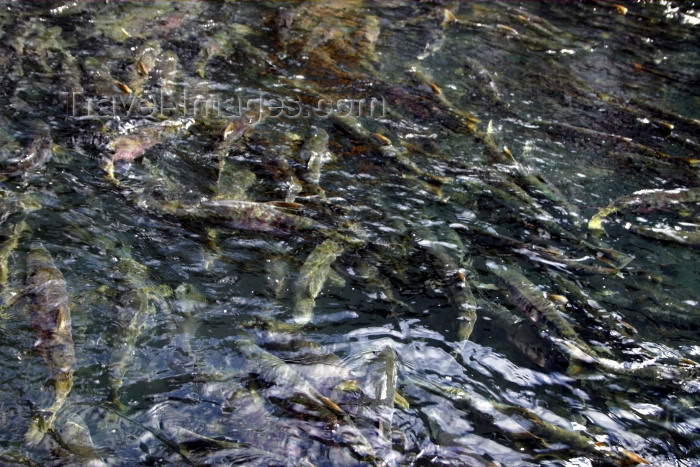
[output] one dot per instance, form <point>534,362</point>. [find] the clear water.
<point>579,93</point>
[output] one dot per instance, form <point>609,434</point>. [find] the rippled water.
<point>331,323</point>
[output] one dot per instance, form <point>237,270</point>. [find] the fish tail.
<point>35,433</point>
<point>38,428</point>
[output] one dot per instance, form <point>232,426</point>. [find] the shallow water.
<point>190,346</point>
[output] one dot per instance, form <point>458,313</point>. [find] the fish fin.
<point>9,298</point>
<point>287,205</point>
<point>401,402</point>
<point>61,319</point>
<point>630,458</point>
<point>37,430</point>
<point>596,223</point>
<point>348,386</point>
<point>335,279</point>
<point>332,406</point>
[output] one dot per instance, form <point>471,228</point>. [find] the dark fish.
<point>250,215</point>
<point>139,301</point>
<point>682,237</point>
<point>398,155</point>
<point>274,370</point>
<point>50,317</point>
<point>37,154</point>
<point>456,287</point>
<point>644,201</point>
<point>532,302</point>
<point>526,337</point>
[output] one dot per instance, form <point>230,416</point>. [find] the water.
<point>202,339</point>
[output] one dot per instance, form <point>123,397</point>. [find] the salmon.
<point>50,318</point>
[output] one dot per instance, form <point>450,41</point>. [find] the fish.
<point>398,155</point>
<point>537,184</point>
<point>541,255</point>
<point>532,426</point>
<point>315,153</point>
<point>668,234</point>
<point>417,73</point>
<point>99,77</point>
<point>145,61</point>
<point>531,212</point>
<point>283,24</point>
<point>312,277</point>
<point>559,128</point>
<point>610,320</point>
<point>275,370</point>
<point>294,187</point>
<point>75,437</point>
<point>233,184</point>
<point>34,157</point>
<point>194,443</point>
<point>234,130</point>
<point>214,46</point>
<point>7,247</point>
<point>385,391</point>
<point>134,306</point>
<point>456,287</point>
<point>50,318</point>
<point>167,72</point>
<point>239,126</point>
<point>532,302</point>
<point>244,215</point>
<point>526,337</point>
<point>644,201</point>
<point>129,147</point>
<point>276,274</point>
<point>484,79</point>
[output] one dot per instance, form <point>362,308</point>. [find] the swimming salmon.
<point>50,317</point>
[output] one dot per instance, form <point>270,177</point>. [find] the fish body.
<point>456,287</point>
<point>681,237</point>
<point>36,155</point>
<point>532,302</point>
<point>315,153</point>
<point>50,318</point>
<point>527,338</point>
<point>168,71</point>
<point>645,201</point>
<point>254,216</point>
<point>215,46</point>
<point>144,63</point>
<point>466,118</point>
<point>275,370</point>
<point>385,391</point>
<point>134,307</point>
<point>233,184</point>
<point>6,249</point>
<point>312,277</point>
<point>129,147</point>
<point>277,274</point>
<point>239,127</point>
<point>398,155</point>
<point>76,439</point>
